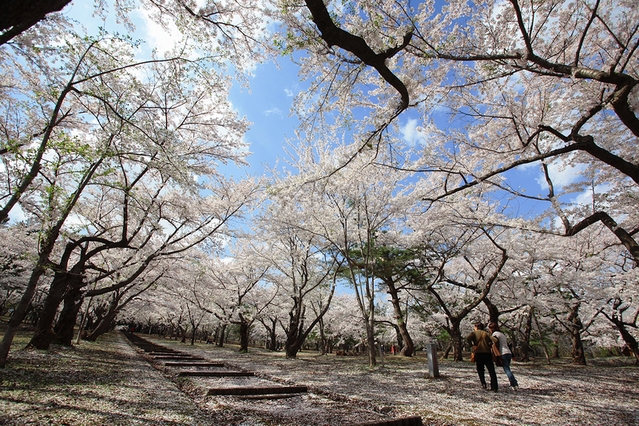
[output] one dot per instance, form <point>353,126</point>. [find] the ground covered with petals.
<point>110,382</point>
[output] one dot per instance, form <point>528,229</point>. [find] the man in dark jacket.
<point>481,341</point>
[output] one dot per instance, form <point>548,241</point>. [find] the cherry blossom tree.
<point>520,88</point>
<point>547,83</point>
<point>345,329</point>
<point>160,130</point>
<point>460,265</point>
<point>353,212</point>
<point>240,282</point>
<point>303,267</point>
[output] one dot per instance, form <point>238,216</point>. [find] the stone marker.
<point>433,366</point>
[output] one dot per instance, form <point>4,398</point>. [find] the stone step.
<point>178,358</point>
<point>217,373</point>
<point>271,390</point>
<point>192,364</point>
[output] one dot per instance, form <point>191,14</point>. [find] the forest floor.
<point>110,382</point>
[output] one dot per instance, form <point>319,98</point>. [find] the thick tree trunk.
<point>43,334</point>
<point>272,334</point>
<point>19,16</point>
<point>456,340</point>
<point>574,327</point>
<point>493,311</point>
<point>622,327</point>
<point>322,343</point>
<point>370,339</point>
<point>65,326</point>
<point>221,336</point>
<point>630,341</point>
<point>193,333</point>
<point>244,336</point>
<point>578,355</point>
<point>398,336</point>
<point>293,343</point>
<point>292,348</point>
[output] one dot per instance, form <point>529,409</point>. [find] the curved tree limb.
<point>623,235</point>
<point>335,36</point>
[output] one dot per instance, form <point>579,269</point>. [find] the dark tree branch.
<point>335,36</point>
<point>17,16</point>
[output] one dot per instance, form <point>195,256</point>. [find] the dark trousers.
<point>486,360</point>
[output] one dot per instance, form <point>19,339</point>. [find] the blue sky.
<point>268,106</point>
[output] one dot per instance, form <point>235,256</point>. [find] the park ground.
<point>109,382</point>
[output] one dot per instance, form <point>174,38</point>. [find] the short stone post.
<point>431,352</point>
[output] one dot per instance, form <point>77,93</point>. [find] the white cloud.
<point>274,111</point>
<point>412,133</point>
<point>585,198</point>
<point>159,37</point>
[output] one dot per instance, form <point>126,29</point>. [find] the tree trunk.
<point>18,17</point>
<point>43,334</point>
<point>493,311</point>
<point>622,327</point>
<point>193,332</point>
<point>244,335</point>
<point>630,341</point>
<point>322,343</point>
<point>222,334</point>
<point>295,333</point>
<point>408,347</point>
<point>370,339</point>
<point>65,326</point>
<point>456,340</point>
<point>447,351</point>
<point>272,334</point>
<point>103,326</point>
<point>541,337</point>
<point>293,343</point>
<point>398,336</point>
<point>525,341</point>
<point>574,328</point>
<point>20,312</point>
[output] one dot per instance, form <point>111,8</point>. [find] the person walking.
<point>506,354</point>
<point>481,341</point>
